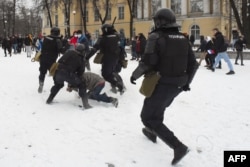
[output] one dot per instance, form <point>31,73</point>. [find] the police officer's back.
<point>168,53</point>
<point>71,66</point>
<point>51,48</point>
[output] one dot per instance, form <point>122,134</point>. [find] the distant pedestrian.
<point>239,44</point>
<point>7,46</point>
<point>28,44</point>
<point>133,48</point>
<point>221,50</point>
<point>235,36</point>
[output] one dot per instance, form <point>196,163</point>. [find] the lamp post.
<point>74,13</point>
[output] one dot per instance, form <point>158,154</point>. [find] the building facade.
<point>196,17</point>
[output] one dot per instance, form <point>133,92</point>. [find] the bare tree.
<point>243,20</point>
<point>44,4</point>
<point>83,6</point>
<point>67,6</point>
<point>106,5</point>
<point>132,9</point>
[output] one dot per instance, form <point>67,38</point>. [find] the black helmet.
<point>80,48</point>
<point>55,31</point>
<point>107,29</point>
<point>165,18</point>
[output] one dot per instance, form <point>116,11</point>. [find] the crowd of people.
<point>16,44</point>
<point>167,70</point>
<point>214,49</point>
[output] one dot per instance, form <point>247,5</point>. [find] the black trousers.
<point>152,114</point>
<point>44,67</point>
<point>62,76</point>
<point>108,68</point>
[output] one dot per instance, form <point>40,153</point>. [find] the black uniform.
<point>108,44</point>
<point>50,51</point>
<point>169,53</point>
<point>71,67</point>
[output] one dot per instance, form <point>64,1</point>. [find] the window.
<point>196,6</point>
<point>47,23</point>
<point>121,12</point>
<point>195,31</point>
<point>96,15</point>
<point>56,20</point>
<point>87,16</point>
<point>65,19</point>
<point>97,34</point>
<point>155,5</point>
<point>109,14</point>
<point>176,6</point>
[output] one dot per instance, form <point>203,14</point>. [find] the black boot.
<point>179,153</point>
<point>50,99</point>
<point>149,134</point>
<point>180,150</point>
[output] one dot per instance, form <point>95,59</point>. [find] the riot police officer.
<point>71,67</point>
<point>51,48</point>
<point>170,55</point>
<point>108,44</point>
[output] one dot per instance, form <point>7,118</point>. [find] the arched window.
<point>195,31</point>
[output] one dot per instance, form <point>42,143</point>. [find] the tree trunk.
<point>14,17</point>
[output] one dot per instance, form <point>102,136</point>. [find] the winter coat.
<point>84,40</point>
<point>6,43</point>
<point>72,62</point>
<point>143,42</point>
<point>219,43</point>
<point>27,41</point>
<point>210,48</point>
<point>239,45</point>
<point>202,46</point>
<point>51,48</point>
<point>92,80</point>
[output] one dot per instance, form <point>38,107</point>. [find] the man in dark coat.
<point>221,50</point>
<point>71,67</point>
<point>175,67</point>
<point>51,48</point>
<point>239,44</point>
<point>7,45</point>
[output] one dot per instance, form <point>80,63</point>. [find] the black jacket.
<point>239,45</point>
<point>6,43</point>
<point>72,62</point>
<point>169,53</point>
<point>219,43</point>
<point>109,46</point>
<point>51,48</point>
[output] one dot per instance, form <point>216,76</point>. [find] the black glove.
<point>132,80</point>
<point>186,87</point>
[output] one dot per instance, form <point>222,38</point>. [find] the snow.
<point>213,117</point>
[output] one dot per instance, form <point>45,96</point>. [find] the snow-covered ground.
<point>214,116</point>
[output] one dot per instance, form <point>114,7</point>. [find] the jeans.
<point>95,94</point>
<point>223,55</point>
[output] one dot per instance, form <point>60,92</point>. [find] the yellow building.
<point>196,17</point>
